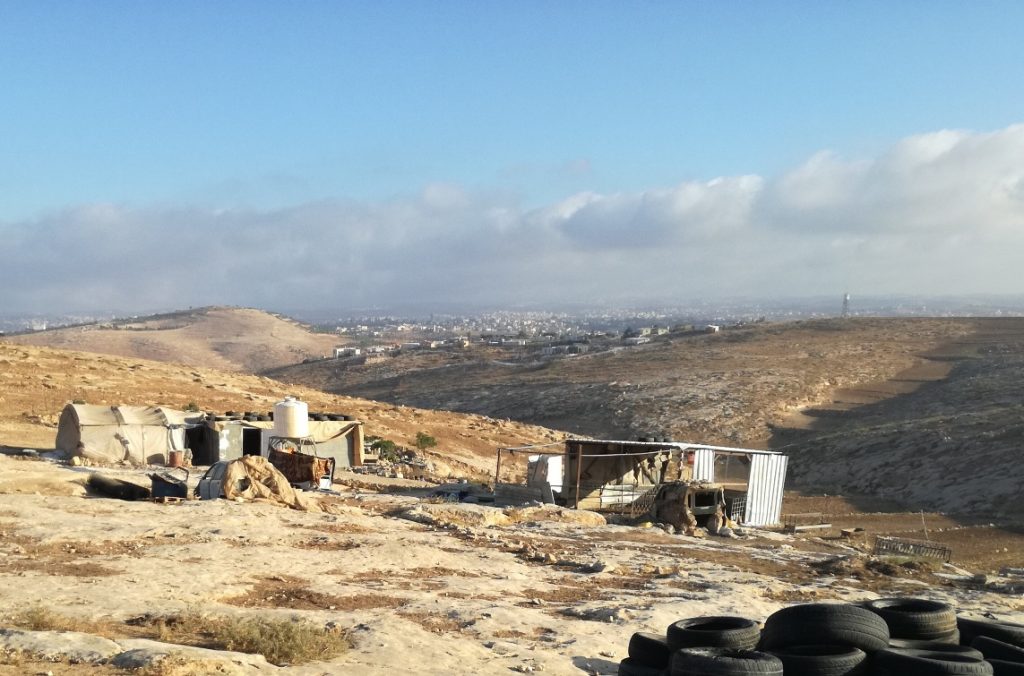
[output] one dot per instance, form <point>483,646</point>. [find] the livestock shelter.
<point>228,439</point>
<point>137,435</point>
<point>618,475</point>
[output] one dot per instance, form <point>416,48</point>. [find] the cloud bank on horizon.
<point>937,213</point>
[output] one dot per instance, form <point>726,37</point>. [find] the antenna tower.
<point>846,305</point>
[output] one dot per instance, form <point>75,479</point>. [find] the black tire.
<point>1007,632</point>
<point>630,667</point>
<point>926,663</point>
<point>951,639</point>
<point>822,660</point>
<point>825,624</point>
<point>941,648</point>
<point>915,618</point>
<point>1005,668</point>
<point>649,649</point>
<point>994,649</point>
<point>724,662</point>
<point>737,633</point>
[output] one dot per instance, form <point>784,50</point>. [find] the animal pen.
<point>624,476</point>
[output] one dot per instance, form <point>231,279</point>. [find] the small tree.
<point>425,441</point>
<point>386,449</point>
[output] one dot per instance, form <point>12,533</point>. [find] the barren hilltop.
<point>37,382</point>
<point>230,339</point>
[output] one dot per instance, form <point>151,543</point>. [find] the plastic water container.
<point>291,418</point>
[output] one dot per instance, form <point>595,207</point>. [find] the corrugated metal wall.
<point>704,465</point>
<point>764,491</point>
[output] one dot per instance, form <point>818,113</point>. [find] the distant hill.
<point>925,412</point>
<point>729,388</point>
<point>235,339</point>
<point>36,383</point>
<point>951,444</point>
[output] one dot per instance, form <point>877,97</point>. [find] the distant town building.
<point>346,352</point>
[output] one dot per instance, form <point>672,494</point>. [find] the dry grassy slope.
<point>953,445</point>
<point>234,339</point>
<point>726,388</point>
<point>36,383</point>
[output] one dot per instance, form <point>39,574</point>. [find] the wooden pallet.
<point>168,500</point>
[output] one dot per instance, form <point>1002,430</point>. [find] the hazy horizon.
<point>464,154</point>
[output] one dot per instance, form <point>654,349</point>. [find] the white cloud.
<point>935,213</point>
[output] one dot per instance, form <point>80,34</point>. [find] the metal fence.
<point>631,499</point>
<point>891,546</point>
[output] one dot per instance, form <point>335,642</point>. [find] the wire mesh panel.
<point>890,546</point>
<point>632,499</point>
<point>737,507</point>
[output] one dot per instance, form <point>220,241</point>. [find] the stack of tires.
<point>700,645</point>
<point>887,637</point>
<point>1001,643</point>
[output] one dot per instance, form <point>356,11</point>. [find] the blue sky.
<point>258,109</point>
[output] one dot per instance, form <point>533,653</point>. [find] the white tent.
<point>133,434</point>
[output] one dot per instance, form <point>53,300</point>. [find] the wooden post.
<point>497,470</point>
<point>579,471</point>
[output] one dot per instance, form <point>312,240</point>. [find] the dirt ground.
<point>560,595</point>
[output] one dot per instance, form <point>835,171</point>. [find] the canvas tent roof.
<point>134,434</point>
<point>87,414</point>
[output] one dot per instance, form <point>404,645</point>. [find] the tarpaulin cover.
<point>133,434</point>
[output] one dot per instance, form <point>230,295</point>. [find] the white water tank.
<point>291,418</point>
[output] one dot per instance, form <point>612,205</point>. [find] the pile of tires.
<point>885,637</point>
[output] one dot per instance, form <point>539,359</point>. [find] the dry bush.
<point>281,641</point>
<point>40,618</point>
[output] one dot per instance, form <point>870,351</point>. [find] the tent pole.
<point>579,472</point>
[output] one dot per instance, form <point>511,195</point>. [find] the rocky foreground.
<point>410,582</point>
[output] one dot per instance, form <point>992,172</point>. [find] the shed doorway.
<point>251,437</point>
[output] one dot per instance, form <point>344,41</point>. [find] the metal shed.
<point>611,474</point>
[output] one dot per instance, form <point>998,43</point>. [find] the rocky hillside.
<point>952,444</point>
<point>729,388</point>
<point>231,339</point>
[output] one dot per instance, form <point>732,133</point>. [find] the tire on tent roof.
<point>915,618</point>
